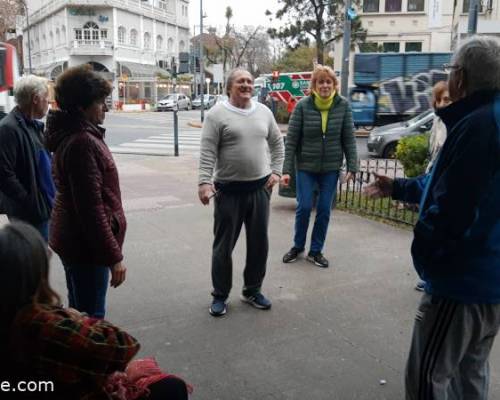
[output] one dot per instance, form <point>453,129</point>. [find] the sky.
<point>245,12</point>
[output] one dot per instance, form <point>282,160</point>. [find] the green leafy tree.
<point>299,59</point>
<point>318,21</point>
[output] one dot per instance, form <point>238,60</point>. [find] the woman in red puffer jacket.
<point>88,223</point>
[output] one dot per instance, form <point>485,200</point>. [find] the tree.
<point>299,59</point>
<point>9,9</point>
<point>319,20</point>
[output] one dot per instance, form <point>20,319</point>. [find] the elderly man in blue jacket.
<point>456,247</point>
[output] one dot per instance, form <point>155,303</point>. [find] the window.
<point>162,4</point>
<point>170,44</point>
<point>63,34</point>
<point>416,5</point>
<point>104,34</point>
<point>413,46</point>
<point>159,42</point>
<point>91,31</point>
<point>182,45</point>
<point>58,36</point>
<point>368,47</point>
<point>371,6</point>
<point>147,41</point>
<point>392,5</point>
<point>466,6</point>
<point>133,37</point>
<point>391,47</point>
<point>121,35</point>
<point>78,34</point>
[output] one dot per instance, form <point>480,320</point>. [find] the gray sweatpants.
<point>449,353</point>
<point>231,211</point>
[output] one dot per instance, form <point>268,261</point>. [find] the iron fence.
<point>350,194</point>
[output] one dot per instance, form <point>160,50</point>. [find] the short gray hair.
<point>479,57</point>
<point>27,87</point>
<point>231,76</point>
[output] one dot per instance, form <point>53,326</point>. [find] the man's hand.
<point>273,180</point>
<point>118,273</point>
<point>205,193</point>
<point>382,187</point>
<point>285,180</point>
<point>348,177</point>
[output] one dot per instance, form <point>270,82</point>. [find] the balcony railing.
<point>91,47</point>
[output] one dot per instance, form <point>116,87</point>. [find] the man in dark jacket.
<point>456,248</point>
<point>26,187</point>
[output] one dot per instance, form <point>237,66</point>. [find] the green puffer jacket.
<point>316,152</point>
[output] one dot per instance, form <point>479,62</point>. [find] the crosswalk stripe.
<point>163,142</point>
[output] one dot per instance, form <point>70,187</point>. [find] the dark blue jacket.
<point>26,186</point>
<point>456,248</point>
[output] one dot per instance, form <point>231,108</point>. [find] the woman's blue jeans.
<point>87,287</point>
<point>307,183</point>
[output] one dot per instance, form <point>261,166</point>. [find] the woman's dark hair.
<point>24,268</point>
<point>78,87</point>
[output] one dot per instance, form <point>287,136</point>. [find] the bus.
<point>9,74</point>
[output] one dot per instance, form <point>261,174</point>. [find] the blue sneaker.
<point>257,300</point>
<point>218,307</point>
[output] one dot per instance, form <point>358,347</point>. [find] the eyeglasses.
<point>450,67</point>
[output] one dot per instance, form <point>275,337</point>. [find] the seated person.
<point>85,358</point>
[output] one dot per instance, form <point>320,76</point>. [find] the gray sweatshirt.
<point>240,144</point>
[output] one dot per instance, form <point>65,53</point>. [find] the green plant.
<point>413,152</point>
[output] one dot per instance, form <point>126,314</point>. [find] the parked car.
<point>179,100</point>
<point>208,101</point>
<point>383,140</point>
<point>221,97</point>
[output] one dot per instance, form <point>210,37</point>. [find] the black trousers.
<point>231,211</point>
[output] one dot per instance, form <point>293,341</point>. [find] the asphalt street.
<point>332,334</point>
<point>152,133</point>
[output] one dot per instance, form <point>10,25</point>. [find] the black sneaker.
<point>218,307</point>
<point>318,259</point>
<point>258,301</point>
<point>292,255</point>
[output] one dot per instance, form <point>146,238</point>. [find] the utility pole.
<point>202,69</point>
<point>23,2</point>
<point>346,50</point>
<point>473,14</point>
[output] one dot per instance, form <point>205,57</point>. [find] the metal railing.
<point>350,195</point>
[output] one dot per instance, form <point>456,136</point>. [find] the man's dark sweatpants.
<point>231,211</point>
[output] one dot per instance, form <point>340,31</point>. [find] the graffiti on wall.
<point>408,96</point>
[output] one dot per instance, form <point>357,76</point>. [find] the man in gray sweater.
<point>241,159</point>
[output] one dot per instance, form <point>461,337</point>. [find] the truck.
<point>393,87</point>
<point>9,74</point>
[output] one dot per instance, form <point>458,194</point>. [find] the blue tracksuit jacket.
<point>456,247</point>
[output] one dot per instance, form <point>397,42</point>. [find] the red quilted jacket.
<point>88,223</point>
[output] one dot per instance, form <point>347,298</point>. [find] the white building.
<point>419,25</point>
<point>132,42</point>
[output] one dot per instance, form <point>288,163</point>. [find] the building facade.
<point>419,25</point>
<point>133,43</point>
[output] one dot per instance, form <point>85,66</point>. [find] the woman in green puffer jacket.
<point>320,134</point>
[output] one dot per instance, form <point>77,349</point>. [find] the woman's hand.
<point>349,177</point>
<point>118,274</point>
<point>285,180</point>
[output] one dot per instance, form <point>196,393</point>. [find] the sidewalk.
<point>331,334</point>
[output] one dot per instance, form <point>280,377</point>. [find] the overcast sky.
<point>245,12</point>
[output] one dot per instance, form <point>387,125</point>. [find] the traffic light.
<point>173,68</point>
